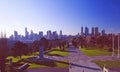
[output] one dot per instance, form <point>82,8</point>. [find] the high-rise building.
<point>55,35</point>
<point>49,34</point>
<point>82,31</point>
<point>86,31</point>
<point>26,33</point>
<point>96,31</point>
<point>93,31</point>
<point>15,35</point>
<point>61,32</point>
<point>103,32</point>
<point>31,35</point>
<point>40,34</point>
<point>60,35</point>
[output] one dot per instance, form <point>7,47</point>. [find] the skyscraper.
<point>96,31</point>
<point>49,34</point>
<point>86,31</point>
<point>103,32</point>
<point>26,33</point>
<point>82,31</point>
<point>40,34</point>
<point>31,35</point>
<point>15,35</point>
<point>93,31</point>
<point>61,35</point>
<point>61,32</point>
<point>55,35</point>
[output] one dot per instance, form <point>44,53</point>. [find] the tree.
<point>19,49</point>
<point>43,42</point>
<point>35,46</point>
<point>3,53</point>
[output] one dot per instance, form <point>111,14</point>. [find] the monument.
<point>41,52</point>
<point>42,45</point>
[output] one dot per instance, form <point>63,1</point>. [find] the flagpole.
<point>118,47</point>
<point>113,45</point>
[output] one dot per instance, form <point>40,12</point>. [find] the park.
<point>60,55</point>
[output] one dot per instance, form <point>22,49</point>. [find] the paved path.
<point>48,70</point>
<point>80,62</point>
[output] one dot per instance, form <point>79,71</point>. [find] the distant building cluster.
<point>94,31</point>
<point>34,36</point>
<point>31,36</point>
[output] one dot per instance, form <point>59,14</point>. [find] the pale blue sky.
<point>65,15</point>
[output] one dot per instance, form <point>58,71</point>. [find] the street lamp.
<point>112,45</point>
<point>118,47</point>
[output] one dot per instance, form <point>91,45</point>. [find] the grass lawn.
<point>33,65</point>
<point>36,66</point>
<point>15,59</point>
<point>62,65</point>
<point>54,51</point>
<point>57,64</point>
<point>109,64</point>
<point>59,53</point>
<point>95,52</point>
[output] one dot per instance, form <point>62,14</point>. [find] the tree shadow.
<point>71,64</point>
<point>44,62</point>
<point>52,63</point>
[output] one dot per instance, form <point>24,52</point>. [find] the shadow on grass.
<point>51,63</point>
<point>71,64</point>
<point>45,62</point>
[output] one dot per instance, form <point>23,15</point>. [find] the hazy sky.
<point>65,15</point>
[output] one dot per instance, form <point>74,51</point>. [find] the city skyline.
<point>31,35</point>
<point>66,15</point>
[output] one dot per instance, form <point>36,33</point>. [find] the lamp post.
<point>113,45</point>
<point>118,47</point>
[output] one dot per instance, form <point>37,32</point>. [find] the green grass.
<point>33,65</point>
<point>62,65</point>
<point>109,64</point>
<point>57,52</point>
<point>36,66</point>
<point>60,53</point>
<point>15,59</point>
<point>95,52</point>
<point>54,51</point>
<point>57,64</point>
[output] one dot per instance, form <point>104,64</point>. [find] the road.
<point>80,62</point>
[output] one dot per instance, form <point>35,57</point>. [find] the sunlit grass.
<point>15,59</point>
<point>37,66</point>
<point>95,52</point>
<point>60,53</point>
<point>54,51</point>
<point>108,64</point>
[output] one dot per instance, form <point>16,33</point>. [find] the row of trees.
<point>96,41</point>
<point>20,48</point>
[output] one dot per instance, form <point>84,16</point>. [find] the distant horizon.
<point>55,15</point>
<point>58,32</point>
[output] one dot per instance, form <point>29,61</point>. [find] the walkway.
<point>80,62</point>
<point>48,70</point>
